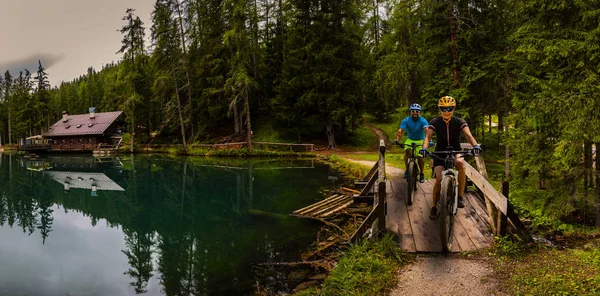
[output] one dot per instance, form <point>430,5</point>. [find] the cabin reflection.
<point>84,180</point>
<point>81,172</point>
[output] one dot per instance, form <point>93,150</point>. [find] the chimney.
<point>92,112</point>
<point>65,116</point>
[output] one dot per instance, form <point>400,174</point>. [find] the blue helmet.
<point>415,107</point>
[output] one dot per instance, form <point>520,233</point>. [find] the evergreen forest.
<point>203,70</point>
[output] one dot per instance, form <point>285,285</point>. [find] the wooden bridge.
<point>418,233</point>
<point>487,212</point>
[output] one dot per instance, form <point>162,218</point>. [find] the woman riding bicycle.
<point>415,126</point>
<point>448,130</point>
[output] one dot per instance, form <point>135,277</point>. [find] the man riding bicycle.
<point>415,126</point>
<point>448,130</point>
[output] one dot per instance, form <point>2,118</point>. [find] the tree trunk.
<point>132,130</point>
<point>185,63</point>
<point>255,33</point>
<point>9,124</point>
<point>376,14</point>
<point>542,176</point>
<point>236,119</point>
<point>597,187</point>
<point>587,176</point>
<point>483,130</point>
<point>330,134</point>
<point>453,43</point>
<point>506,155</point>
<point>500,127</point>
<point>180,118</point>
<point>490,123</point>
<point>248,123</point>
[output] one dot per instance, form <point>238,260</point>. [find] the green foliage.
<point>353,169</point>
<point>505,246</point>
<point>361,139</point>
<point>368,268</point>
<point>555,272</point>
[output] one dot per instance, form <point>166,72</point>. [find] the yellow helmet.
<point>447,101</point>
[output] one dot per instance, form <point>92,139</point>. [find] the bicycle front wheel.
<point>410,182</point>
<point>446,212</point>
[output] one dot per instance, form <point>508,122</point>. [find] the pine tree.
<point>7,91</point>
<point>132,73</point>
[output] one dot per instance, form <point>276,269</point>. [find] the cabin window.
<point>79,125</point>
<point>90,125</point>
<point>68,126</point>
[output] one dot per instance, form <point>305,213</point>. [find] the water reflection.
<point>189,226</point>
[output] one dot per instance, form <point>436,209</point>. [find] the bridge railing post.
<point>502,224</point>
<point>381,188</point>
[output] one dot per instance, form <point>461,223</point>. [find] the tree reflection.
<point>192,226</point>
<point>139,255</point>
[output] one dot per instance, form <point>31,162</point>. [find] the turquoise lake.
<point>153,225</point>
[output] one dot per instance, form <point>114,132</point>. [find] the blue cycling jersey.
<point>414,129</point>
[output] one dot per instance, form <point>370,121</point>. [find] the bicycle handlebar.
<point>465,152</point>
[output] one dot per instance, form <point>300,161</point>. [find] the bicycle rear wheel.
<point>410,182</point>
<point>446,213</point>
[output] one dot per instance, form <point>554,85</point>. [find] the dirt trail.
<point>440,275</point>
<point>381,134</point>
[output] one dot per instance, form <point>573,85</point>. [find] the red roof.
<point>82,124</point>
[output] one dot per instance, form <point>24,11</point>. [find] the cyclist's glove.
<point>477,149</point>
<point>424,152</point>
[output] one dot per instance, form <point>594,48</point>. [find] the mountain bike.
<point>448,202</point>
<point>412,176</point>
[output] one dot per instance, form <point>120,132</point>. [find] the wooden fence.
<point>497,203</point>
<point>375,181</point>
<point>234,145</point>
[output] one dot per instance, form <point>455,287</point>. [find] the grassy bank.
<point>367,268</point>
<point>574,270</point>
<point>353,170</point>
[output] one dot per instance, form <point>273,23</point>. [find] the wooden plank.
<point>457,241</point>
<point>372,171</point>
<point>332,205</point>
<point>496,197</point>
<point>502,224</point>
<point>478,215</point>
<point>381,199</point>
<point>461,235</point>
<point>370,184</point>
<point>488,204</point>
<point>471,229</point>
<point>318,204</point>
<point>425,231</point>
<point>397,219</point>
<point>345,205</point>
<point>426,187</point>
<point>324,206</point>
<point>365,225</point>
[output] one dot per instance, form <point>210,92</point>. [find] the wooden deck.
<point>417,233</point>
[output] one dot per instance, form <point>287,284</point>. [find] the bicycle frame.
<point>449,169</point>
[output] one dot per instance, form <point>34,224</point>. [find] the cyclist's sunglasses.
<point>415,111</point>
<point>446,109</point>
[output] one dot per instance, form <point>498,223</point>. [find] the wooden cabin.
<point>86,132</point>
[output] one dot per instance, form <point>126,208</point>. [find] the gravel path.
<point>440,275</point>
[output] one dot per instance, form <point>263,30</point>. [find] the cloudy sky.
<point>68,36</point>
